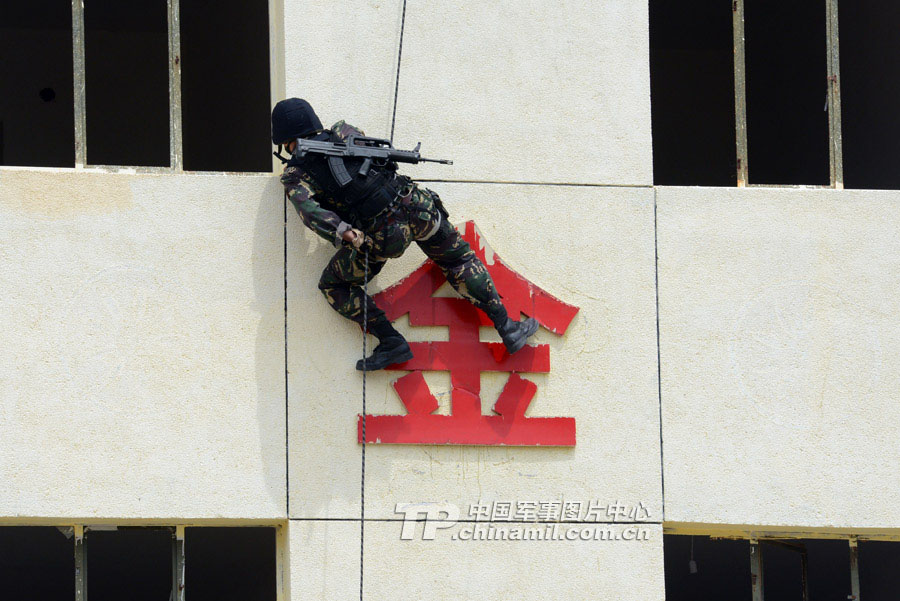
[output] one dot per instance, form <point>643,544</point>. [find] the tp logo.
<point>465,357</point>
<point>436,515</point>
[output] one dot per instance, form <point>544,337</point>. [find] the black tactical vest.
<point>366,195</point>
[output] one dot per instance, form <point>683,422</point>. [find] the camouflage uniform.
<point>417,218</point>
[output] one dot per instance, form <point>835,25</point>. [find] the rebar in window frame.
<point>178,564</point>
<point>756,570</point>
<point>854,569</point>
<point>835,140</point>
<point>80,564</point>
<point>78,66</point>
<point>78,78</point>
<point>832,103</point>
<point>175,146</point>
<point>740,91</point>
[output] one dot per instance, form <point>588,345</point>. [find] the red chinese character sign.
<point>465,356</point>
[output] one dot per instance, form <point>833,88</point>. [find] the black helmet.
<point>293,118</point>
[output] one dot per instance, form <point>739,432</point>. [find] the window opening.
<point>870,93</point>
<point>702,568</point>
<point>126,82</point>
<point>36,563</point>
<point>878,574</point>
<point>786,77</point>
<point>782,63</point>
<point>692,91</point>
<point>230,564</point>
<point>225,85</point>
<point>827,574</point>
<point>722,568</point>
<point>36,105</point>
<point>129,563</point>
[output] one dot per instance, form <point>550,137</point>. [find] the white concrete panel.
<point>778,330</point>
<point>341,55</point>
<point>591,247</point>
<point>324,559</point>
<point>142,372</point>
<point>325,564</point>
<point>528,91</point>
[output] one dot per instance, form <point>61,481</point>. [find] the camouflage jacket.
<point>320,213</point>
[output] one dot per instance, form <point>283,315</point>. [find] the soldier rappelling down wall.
<point>369,211</point>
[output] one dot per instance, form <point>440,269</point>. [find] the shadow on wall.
<point>270,340</point>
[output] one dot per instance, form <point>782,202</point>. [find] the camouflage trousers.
<point>418,219</point>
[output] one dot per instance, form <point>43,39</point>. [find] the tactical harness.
<point>368,196</point>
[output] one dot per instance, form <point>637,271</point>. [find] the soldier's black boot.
<point>515,333</point>
<point>392,348</point>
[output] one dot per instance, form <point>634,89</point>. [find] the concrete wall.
<point>603,370</point>
<point>778,333</point>
<point>485,85</point>
<point>508,89</point>
<point>350,72</point>
<point>142,373</point>
<point>528,91</point>
<point>143,317</point>
<point>325,565</point>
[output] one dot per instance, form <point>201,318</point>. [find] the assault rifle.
<point>372,150</point>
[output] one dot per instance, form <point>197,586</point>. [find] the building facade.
<point>171,363</point>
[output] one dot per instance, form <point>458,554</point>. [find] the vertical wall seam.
<point>662,464</point>
<point>397,73</point>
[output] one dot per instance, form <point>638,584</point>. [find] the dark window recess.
<point>132,563</point>
<point>37,118</point>
<point>828,571</point>
<point>720,569</point>
<point>692,93</point>
<point>879,578</point>
<point>714,569</point>
<point>225,564</point>
<point>870,93</point>
<point>786,76</point>
<point>37,563</point>
<point>225,86</point>
<point>127,82</point>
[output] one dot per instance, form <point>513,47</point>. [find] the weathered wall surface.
<point>485,85</point>
<point>325,565</point>
<point>142,373</point>
<point>778,337</point>
<point>528,91</point>
<point>342,58</point>
<point>513,91</point>
<point>143,317</point>
<point>602,373</point>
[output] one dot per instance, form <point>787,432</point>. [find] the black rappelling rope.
<point>397,81</point>
<point>362,480</point>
